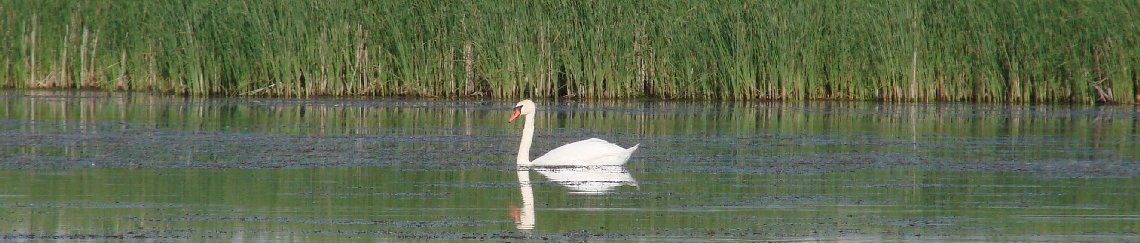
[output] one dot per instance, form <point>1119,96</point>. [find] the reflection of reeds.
<point>1005,51</point>
<point>752,127</point>
<point>653,119</point>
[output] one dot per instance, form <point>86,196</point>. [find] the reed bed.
<point>986,51</point>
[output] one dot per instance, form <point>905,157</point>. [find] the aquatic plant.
<point>990,51</point>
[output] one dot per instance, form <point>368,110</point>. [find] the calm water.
<point>100,166</point>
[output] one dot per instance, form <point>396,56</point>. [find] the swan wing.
<point>592,151</point>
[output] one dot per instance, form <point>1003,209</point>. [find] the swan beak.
<point>518,111</point>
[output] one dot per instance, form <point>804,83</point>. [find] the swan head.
<point>525,107</point>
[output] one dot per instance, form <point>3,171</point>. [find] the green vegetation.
<point>990,51</point>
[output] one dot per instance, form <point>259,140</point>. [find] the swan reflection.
<point>524,220</point>
<point>588,179</point>
<point>579,179</point>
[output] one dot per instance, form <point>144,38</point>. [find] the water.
<point>108,166</point>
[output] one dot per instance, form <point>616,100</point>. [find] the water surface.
<point>96,165</point>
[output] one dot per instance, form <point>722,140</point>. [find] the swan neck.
<point>524,146</point>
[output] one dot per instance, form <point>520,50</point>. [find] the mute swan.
<point>589,152</point>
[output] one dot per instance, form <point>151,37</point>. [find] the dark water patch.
<point>414,224</point>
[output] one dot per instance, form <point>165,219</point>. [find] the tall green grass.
<point>989,51</point>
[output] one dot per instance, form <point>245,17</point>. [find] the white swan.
<point>589,152</point>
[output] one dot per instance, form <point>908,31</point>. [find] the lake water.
<point>107,166</point>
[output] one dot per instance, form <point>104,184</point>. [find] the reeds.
<point>989,51</point>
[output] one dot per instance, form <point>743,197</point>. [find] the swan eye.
<point>518,108</point>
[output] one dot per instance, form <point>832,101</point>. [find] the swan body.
<point>589,152</point>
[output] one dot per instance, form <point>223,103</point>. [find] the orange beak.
<point>518,111</point>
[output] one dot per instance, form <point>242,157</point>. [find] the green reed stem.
<point>988,51</point>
